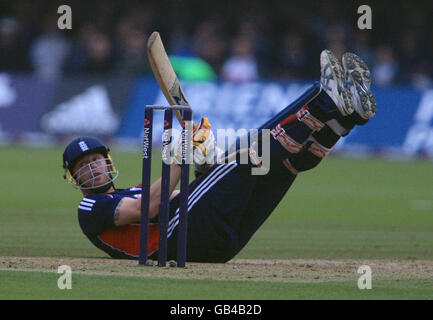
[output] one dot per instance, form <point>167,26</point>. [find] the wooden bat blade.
<point>164,73</point>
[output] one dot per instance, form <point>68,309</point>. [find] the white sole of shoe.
<point>358,80</point>
<point>331,70</point>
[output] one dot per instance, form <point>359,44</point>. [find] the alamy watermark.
<point>365,21</point>
<point>242,145</point>
<point>65,280</point>
<point>364,281</point>
<point>65,20</point>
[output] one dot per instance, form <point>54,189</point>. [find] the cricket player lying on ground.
<point>227,204</point>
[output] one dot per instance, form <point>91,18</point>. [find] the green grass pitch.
<point>344,210</point>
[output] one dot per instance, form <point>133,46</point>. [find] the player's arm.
<point>128,210</point>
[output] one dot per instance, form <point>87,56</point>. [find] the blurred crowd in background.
<point>234,40</point>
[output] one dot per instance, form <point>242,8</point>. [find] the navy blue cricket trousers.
<point>228,204</point>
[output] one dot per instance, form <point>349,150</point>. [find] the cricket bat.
<point>165,75</point>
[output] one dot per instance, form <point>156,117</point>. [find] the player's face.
<point>91,170</point>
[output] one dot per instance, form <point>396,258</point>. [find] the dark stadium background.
<point>283,36</point>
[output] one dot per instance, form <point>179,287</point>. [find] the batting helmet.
<point>80,147</point>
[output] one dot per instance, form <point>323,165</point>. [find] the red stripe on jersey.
<point>127,238</point>
<point>288,119</point>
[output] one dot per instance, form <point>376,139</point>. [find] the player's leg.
<point>305,132</point>
<point>229,204</point>
<point>315,125</point>
<point>265,198</point>
<point>225,207</point>
<point>270,190</point>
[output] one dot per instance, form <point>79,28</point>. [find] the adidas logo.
<point>86,204</point>
<point>89,112</point>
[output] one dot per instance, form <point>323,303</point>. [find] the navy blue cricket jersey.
<point>96,218</point>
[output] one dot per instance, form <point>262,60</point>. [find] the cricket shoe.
<point>332,80</point>
<point>357,81</point>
